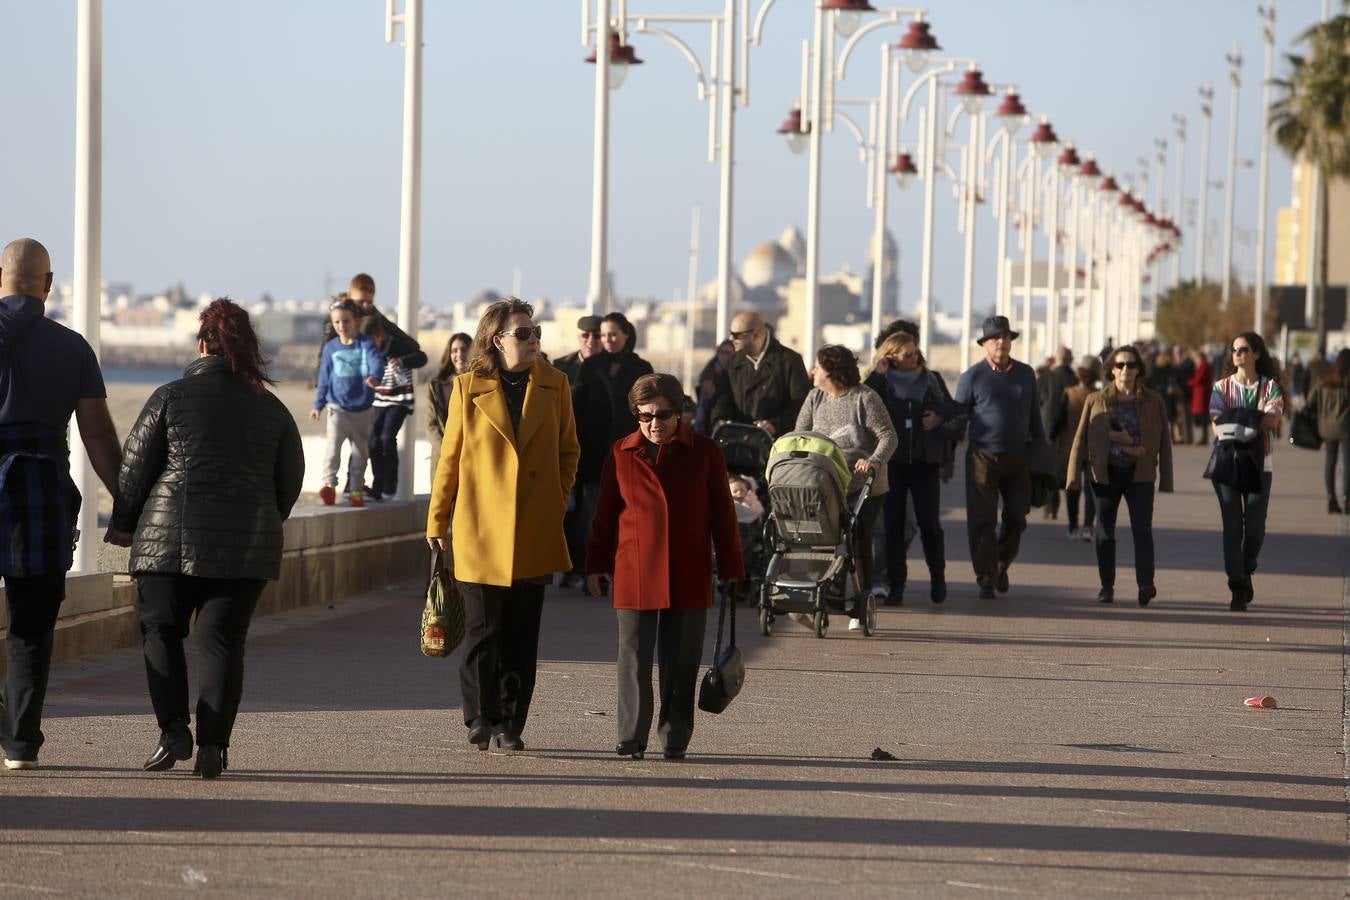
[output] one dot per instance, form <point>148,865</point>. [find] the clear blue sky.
<point>252,146</point>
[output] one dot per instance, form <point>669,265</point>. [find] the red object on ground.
<point>1260,702</point>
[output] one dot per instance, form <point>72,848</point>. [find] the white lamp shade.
<point>796,141</point>
<point>917,60</point>
<point>617,73</point>
<point>846,22</point>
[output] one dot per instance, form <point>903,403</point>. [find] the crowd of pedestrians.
<point>593,467</point>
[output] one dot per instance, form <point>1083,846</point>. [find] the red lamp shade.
<point>1108,185</point>
<point>1089,169</point>
<point>619,53</point>
<point>904,165</point>
<point>1044,134</point>
<point>848,5</point>
<point>972,85</point>
<point>1010,106</point>
<point>793,124</point>
<point>919,37</point>
<point>1069,158</point>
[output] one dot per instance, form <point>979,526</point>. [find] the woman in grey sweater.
<point>853,416</point>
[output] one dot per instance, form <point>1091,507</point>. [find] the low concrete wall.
<point>330,552</point>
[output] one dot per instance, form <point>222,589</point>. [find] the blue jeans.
<point>1244,528</point>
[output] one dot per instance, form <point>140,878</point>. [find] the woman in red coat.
<point>663,494</point>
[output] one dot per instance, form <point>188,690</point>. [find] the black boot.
<point>1333,507</point>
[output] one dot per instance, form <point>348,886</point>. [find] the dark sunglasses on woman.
<point>525,332</point>
<point>663,415</point>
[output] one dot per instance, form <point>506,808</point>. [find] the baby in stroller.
<point>750,522</point>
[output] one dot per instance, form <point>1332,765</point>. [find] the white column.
<point>1263,176</point>
<point>727,94</point>
<point>597,297</point>
<point>691,307</point>
<point>1003,299</point>
<point>1071,341</point>
<point>1090,275</point>
<point>1179,199</point>
<point>410,218</point>
<point>812,298</point>
<point>882,193</point>
<point>1052,276</point>
<point>1226,276</point>
<point>974,160</point>
<point>929,179</point>
<point>1029,238</point>
<point>1201,226</point>
<point>88,261</point>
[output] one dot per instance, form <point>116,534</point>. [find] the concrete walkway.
<point>1045,745</point>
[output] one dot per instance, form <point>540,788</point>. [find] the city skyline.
<point>271,173</point>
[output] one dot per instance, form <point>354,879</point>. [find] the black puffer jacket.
<point>209,472</point>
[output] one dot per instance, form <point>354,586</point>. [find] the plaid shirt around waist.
<point>39,503</point>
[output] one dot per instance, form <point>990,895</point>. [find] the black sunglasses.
<point>663,415</point>
<point>1125,365</point>
<point>1241,350</point>
<point>525,332</point>
<point>739,335</point>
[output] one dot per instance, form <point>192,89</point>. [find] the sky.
<point>255,146</point>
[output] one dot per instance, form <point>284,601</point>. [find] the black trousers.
<point>1244,528</point>
<point>1071,500</point>
<point>675,637</point>
<point>224,608</point>
<point>919,481</point>
<point>1138,497</point>
<point>1335,450</point>
<point>862,542</point>
<point>34,604</point>
<point>501,648</point>
<point>383,448</point>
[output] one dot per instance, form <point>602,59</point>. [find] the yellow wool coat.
<point>508,493</point>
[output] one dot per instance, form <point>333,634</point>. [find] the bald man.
<point>765,383</point>
<point>47,373</point>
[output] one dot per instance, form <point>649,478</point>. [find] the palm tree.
<point>1312,119</point>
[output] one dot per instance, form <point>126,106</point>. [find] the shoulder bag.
<point>1303,430</point>
<point>726,676</point>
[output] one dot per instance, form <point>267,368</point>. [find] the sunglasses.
<point>741,335</point>
<point>1125,365</point>
<point>663,415</point>
<point>525,332</point>
<point>1238,351</point>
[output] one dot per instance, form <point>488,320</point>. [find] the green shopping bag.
<point>443,614</point>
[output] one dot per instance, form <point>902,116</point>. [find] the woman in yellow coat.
<point>507,463</point>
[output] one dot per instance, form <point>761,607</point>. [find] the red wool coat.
<point>656,524</point>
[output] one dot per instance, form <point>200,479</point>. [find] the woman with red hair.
<point>209,472</point>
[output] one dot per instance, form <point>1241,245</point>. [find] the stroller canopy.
<point>798,444</point>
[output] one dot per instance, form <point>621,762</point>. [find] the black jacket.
<point>600,404</point>
<point>775,391</point>
<point>917,445</point>
<point>1050,387</point>
<point>209,472</point>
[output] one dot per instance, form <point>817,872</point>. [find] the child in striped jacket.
<point>394,398</point>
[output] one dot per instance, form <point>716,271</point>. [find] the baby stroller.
<point>746,451</point>
<point>810,530</point>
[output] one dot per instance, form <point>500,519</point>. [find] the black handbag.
<point>726,676</point>
<point>1303,430</point>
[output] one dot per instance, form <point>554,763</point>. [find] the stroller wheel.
<point>822,622</point>
<point>765,621</point>
<point>869,616</point>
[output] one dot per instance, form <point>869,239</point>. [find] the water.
<point>152,375</point>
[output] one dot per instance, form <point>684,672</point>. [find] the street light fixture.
<point>847,14</point>
<point>918,44</point>
<point>621,56</point>
<point>795,130</point>
<point>1043,142</point>
<point>904,170</point>
<point>972,90</point>
<point>1012,112</point>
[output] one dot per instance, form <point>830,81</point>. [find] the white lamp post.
<point>1202,226</point>
<point>1263,176</point>
<point>1234,61</point>
<point>1013,114</point>
<point>88,259</point>
<point>1179,198</point>
<point>410,213</point>
<point>972,91</point>
<point>1043,142</point>
<point>1103,239</point>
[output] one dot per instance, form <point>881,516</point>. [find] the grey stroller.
<point>809,533</point>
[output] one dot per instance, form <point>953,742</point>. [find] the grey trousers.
<point>353,427</point>
<point>675,637</point>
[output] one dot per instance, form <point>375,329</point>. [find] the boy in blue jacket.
<point>349,372</point>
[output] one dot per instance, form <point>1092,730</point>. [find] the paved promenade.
<point>1045,745</point>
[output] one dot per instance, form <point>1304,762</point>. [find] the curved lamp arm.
<point>941,67</point>
<point>685,51</point>
<point>892,18</point>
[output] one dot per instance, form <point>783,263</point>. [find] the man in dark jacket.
<point>766,382</point>
<point>588,344</point>
<point>47,372</point>
<point>1050,387</point>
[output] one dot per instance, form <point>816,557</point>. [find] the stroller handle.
<point>856,509</point>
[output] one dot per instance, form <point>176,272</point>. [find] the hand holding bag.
<point>1303,431</point>
<point>443,615</point>
<point>725,677</point>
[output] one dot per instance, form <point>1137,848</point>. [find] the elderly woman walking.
<point>210,470</point>
<point>1125,442</point>
<point>508,458</point>
<point>664,507</point>
<point>852,415</point>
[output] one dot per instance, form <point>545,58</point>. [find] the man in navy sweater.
<point>999,394</point>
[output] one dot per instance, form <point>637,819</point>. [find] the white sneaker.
<point>20,763</point>
<point>1085,534</point>
<point>1074,534</point>
<point>855,624</point>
